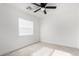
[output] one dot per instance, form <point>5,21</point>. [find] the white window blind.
<point>25,27</point>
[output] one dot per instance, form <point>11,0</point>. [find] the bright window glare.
<point>25,27</point>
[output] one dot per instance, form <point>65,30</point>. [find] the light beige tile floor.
<point>57,50</point>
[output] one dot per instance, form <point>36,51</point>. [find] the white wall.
<point>60,26</point>
<point>9,38</point>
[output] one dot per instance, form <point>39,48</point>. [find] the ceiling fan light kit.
<point>42,9</point>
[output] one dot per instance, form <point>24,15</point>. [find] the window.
<point>25,27</point>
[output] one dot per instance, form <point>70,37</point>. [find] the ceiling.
<point>29,8</point>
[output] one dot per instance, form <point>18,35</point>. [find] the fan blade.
<point>37,10</point>
<point>45,12</point>
<point>51,7</point>
<point>36,4</point>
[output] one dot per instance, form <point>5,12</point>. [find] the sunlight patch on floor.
<point>45,51</point>
<point>60,53</point>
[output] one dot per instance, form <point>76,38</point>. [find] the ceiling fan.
<point>43,7</point>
